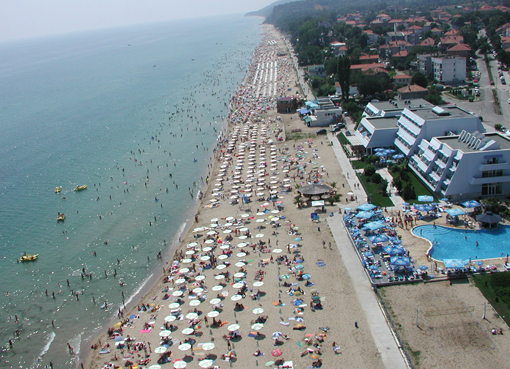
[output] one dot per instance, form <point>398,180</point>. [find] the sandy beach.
<point>266,271</point>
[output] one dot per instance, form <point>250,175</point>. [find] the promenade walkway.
<point>386,343</point>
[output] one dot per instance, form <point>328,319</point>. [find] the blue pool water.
<point>450,243</point>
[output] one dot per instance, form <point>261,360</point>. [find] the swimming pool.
<point>451,243</point>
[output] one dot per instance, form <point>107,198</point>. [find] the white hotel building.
<point>446,148</point>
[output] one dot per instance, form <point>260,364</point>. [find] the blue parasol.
<point>400,261</point>
<point>425,198</point>
<point>366,207</point>
<point>455,212</point>
<point>378,238</point>
<point>365,214</point>
<point>423,267</point>
<point>471,204</point>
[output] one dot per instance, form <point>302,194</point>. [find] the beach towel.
<point>252,334</point>
<point>145,331</point>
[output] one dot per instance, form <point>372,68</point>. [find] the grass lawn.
<point>496,289</point>
<point>358,164</point>
<point>419,188</point>
<point>375,197</point>
<point>343,140</point>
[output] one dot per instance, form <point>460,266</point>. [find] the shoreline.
<point>155,279</point>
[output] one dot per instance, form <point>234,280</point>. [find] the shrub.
<point>397,182</point>
<point>408,192</point>
<point>376,178</point>
<point>383,186</point>
<point>369,171</point>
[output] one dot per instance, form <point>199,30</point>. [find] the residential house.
<point>371,36</point>
<point>368,59</point>
<point>402,79</point>
<point>400,57</point>
<point>412,92</point>
<point>461,50</point>
<point>395,36</point>
<point>428,42</point>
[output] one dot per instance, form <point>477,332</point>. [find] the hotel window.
<point>492,173</point>
<point>492,161</point>
<point>491,189</point>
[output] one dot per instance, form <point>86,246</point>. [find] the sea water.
<point>134,113</point>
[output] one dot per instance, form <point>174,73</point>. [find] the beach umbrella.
<point>297,302</point>
<point>471,204</point>
<point>455,263</point>
<point>306,276</point>
<point>277,352</point>
<point>208,346</point>
<point>177,293</point>
<point>425,198</point>
<point>365,214</point>
<point>398,156</point>
<point>257,311</point>
<point>160,349</point>
<point>423,267</point>
<point>488,217</point>
<point>275,335</point>
<point>257,326</point>
<point>191,316</point>
<point>455,212</point>
<point>373,267</point>
<point>277,251</point>
<point>206,363</point>
<point>393,251</point>
<point>400,261</point>
<point>269,363</point>
<point>170,318</point>
<point>233,327</point>
<point>368,254</point>
<point>258,284</point>
<point>187,331</point>
<point>180,364</point>
<point>374,225</point>
<point>378,238</point>
<point>381,153</point>
<point>165,333</point>
<point>366,207</point>
<point>236,297</point>
<point>200,277</point>
<point>195,302</point>
<point>213,314</point>
<point>155,366</point>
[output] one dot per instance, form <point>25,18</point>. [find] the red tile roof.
<point>412,88</point>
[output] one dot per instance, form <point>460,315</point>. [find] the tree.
<point>419,79</point>
<point>369,171</point>
<point>383,186</point>
<point>344,75</point>
<point>408,192</point>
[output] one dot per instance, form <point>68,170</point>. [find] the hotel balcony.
<point>485,167</point>
<point>485,180</point>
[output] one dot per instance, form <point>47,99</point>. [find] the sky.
<point>31,18</point>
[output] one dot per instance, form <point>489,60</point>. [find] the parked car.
<point>348,133</point>
<point>322,131</point>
